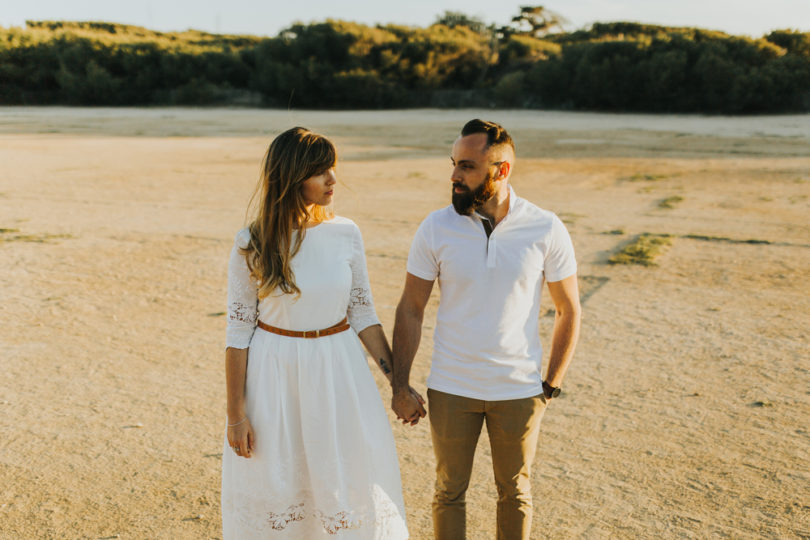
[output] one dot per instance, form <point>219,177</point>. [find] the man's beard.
<point>464,203</point>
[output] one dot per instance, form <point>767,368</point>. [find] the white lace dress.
<point>324,464</point>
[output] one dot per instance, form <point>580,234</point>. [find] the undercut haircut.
<point>496,134</point>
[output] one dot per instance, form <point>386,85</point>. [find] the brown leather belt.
<point>336,329</point>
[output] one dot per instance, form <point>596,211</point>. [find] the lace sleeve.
<point>243,299</point>
<point>361,311</point>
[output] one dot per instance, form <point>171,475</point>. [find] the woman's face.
<point>319,189</point>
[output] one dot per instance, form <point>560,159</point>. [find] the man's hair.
<point>495,133</point>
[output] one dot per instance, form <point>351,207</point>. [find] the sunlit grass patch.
<point>670,202</point>
<point>10,235</point>
<point>639,177</point>
<point>707,238</point>
<point>642,250</point>
<point>569,218</point>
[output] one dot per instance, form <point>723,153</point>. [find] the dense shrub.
<point>459,61</point>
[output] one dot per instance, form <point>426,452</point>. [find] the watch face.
<point>555,391</point>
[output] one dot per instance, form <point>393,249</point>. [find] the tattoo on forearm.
<point>384,366</point>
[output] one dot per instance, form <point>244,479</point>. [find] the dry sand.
<point>685,412</point>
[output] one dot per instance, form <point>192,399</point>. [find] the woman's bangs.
<point>323,156</point>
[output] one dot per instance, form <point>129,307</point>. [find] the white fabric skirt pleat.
<point>325,462</point>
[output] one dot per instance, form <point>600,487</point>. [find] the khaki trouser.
<point>513,426</point>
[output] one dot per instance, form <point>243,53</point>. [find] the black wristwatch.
<point>550,391</point>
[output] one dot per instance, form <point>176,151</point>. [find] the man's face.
<point>473,174</point>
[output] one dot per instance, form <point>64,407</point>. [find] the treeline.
<point>459,61</point>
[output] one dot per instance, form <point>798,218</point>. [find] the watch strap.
<point>550,391</point>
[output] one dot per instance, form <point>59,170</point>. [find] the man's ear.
<point>503,170</point>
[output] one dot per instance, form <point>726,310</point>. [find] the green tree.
<point>792,41</point>
<point>452,19</point>
<point>536,21</point>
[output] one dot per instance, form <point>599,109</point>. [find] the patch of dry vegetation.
<point>708,238</point>
<point>639,177</point>
<point>642,250</point>
<point>670,202</point>
<point>11,235</point>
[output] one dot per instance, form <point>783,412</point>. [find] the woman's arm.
<point>240,432</point>
<point>235,369</point>
<point>361,314</point>
<point>376,344</point>
<point>242,317</point>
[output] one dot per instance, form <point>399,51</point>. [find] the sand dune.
<point>685,411</point>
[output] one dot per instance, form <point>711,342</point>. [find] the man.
<point>491,252</point>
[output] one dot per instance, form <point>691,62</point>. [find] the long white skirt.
<point>324,463</point>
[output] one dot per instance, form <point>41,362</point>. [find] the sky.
<point>266,18</point>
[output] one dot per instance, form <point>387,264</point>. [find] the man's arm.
<point>407,335</point>
<point>565,295</point>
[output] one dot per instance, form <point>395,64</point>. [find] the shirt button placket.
<point>491,247</point>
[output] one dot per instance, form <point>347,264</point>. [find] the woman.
<point>309,451</point>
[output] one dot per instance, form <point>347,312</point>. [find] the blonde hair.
<point>293,157</point>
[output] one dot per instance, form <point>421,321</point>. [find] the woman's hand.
<point>241,438</point>
<point>417,395</point>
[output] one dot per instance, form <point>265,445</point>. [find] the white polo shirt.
<point>486,343</point>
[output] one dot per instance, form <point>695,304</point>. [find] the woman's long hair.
<point>294,156</point>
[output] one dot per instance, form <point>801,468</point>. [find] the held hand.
<point>241,438</point>
<point>408,406</point>
<point>417,395</point>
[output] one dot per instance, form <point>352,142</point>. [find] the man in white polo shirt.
<point>491,252</point>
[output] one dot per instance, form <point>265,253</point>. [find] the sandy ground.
<point>686,410</point>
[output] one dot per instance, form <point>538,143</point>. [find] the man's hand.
<point>407,404</point>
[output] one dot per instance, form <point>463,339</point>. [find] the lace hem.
<point>379,518</point>
<point>331,523</point>
<point>279,522</point>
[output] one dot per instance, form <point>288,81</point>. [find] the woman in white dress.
<point>309,451</point>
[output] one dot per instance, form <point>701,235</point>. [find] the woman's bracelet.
<point>242,421</point>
